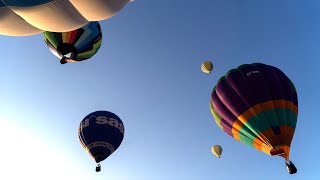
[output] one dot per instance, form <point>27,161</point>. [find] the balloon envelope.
<point>257,105</point>
<point>217,150</point>
<point>207,67</point>
<point>101,133</point>
<point>22,18</point>
<point>76,45</point>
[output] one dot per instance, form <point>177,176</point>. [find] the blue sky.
<point>148,73</point>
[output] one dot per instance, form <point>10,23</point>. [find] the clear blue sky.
<point>148,73</point>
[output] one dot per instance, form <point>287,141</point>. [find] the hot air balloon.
<point>257,105</point>
<point>76,45</point>
<point>217,150</point>
<point>101,133</point>
<point>207,67</point>
<point>23,18</point>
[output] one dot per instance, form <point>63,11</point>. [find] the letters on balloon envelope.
<point>101,133</point>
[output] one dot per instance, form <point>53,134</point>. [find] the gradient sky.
<point>148,73</point>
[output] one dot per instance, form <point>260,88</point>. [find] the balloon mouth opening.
<point>67,50</point>
<point>277,152</point>
<point>99,158</point>
<point>281,150</point>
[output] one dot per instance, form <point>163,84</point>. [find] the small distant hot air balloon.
<point>207,67</point>
<point>101,133</point>
<point>74,46</point>
<point>217,150</point>
<point>257,104</point>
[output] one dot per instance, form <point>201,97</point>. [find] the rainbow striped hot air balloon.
<point>77,45</point>
<point>257,105</point>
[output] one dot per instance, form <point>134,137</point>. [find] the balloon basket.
<point>98,168</point>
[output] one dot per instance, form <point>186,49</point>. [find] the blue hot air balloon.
<point>101,133</point>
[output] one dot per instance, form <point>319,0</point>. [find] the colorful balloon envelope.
<point>76,45</point>
<point>217,150</point>
<point>101,133</point>
<point>23,18</point>
<point>207,67</point>
<point>257,105</point>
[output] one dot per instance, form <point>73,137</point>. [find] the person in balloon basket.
<point>290,167</point>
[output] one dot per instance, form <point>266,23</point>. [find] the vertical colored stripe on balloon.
<point>64,37</point>
<point>72,37</point>
<point>51,38</point>
<point>216,116</point>
<point>68,35</point>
